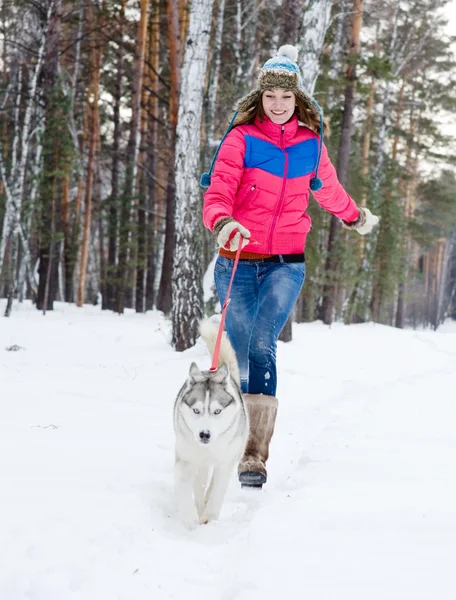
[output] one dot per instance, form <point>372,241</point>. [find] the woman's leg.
<point>242,310</point>
<point>262,297</point>
<point>279,288</point>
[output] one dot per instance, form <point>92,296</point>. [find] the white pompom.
<point>288,50</point>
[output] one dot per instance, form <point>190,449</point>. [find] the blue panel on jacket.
<point>263,155</point>
<point>302,158</point>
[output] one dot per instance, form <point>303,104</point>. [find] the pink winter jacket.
<point>261,178</point>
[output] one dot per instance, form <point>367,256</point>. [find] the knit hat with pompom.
<point>280,71</point>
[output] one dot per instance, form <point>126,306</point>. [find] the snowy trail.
<point>361,501</point>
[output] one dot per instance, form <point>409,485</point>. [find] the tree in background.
<point>333,282</point>
<point>187,272</point>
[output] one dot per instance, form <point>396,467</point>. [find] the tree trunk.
<point>187,273</point>
<point>289,20</point>
<point>445,248</point>
<point>352,314</point>
<point>109,299</point>
<point>154,205</point>
<point>53,160</point>
<point>336,58</point>
<point>364,287</point>
<point>343,157</point>
<point>164,300</point>
<point>15,188</point>
<point>238,44</point>
<point>444,308</point>
<point>10,187</point>
<point>214,79</point>
<point>70,216</point>
<point>26,275</point>
<point>408,190</point>
<point>143,214</point>
<point>129,193</point>
<point>314,24</point>
<point>93,96</point>
<point>383,251</point>
<point>99,273</point>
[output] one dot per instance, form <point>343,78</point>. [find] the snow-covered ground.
<point>361,498</point>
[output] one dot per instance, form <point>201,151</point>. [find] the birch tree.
<point>314,24</point>
<point>188,248</point>
<point>16,182</point>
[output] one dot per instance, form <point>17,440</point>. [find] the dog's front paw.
<point>209,516</point>
<point>189,519</point>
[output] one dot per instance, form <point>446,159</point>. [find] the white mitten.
<point>364,223</point>
<point>229,232</point>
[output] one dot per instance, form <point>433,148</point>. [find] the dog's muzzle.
<point>205,436</point>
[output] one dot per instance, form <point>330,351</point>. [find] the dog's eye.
<point>217,411</point>
<point>196,411</point>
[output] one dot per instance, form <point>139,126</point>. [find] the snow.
<point>361,498</point>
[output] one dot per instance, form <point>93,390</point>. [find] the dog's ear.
<point>221,374</point>
<point>195,373</point>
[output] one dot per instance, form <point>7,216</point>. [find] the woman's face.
<point>279,105</point>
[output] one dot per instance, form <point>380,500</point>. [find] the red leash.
<point>225,306</point>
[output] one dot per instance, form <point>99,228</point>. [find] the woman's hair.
<point>251,107</point>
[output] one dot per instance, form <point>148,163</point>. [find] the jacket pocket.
<point>247,194</point>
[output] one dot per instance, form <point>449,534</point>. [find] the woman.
<point>258,195</point>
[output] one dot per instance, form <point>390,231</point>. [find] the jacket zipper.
<point>282,193</point>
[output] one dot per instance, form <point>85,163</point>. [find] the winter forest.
<point>112,109</point>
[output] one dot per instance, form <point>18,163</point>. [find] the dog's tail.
<point>209,330</point>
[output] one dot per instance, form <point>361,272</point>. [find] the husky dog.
<point>212,428</point>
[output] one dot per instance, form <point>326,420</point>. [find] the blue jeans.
<point>262,298</point>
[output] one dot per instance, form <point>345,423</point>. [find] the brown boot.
<point>262,415</point>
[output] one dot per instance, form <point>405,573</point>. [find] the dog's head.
<point>209,403</point>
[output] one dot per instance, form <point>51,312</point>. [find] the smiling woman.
<point>258,195</point>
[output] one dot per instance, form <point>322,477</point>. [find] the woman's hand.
<point>364,223</point>
<point>229,233</point>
